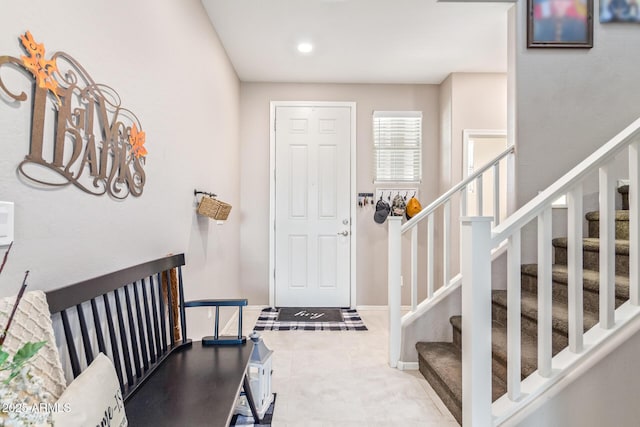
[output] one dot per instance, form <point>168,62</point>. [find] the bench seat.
<point>185,390</point>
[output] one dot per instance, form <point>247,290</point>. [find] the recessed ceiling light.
<point>305,47</point>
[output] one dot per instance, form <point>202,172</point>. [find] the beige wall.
<point>167,64</point>
<point>446,127</point>
<point>371,237</point>
<point>468,101</point>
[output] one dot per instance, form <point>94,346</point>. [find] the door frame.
<point>272,191</point>
<point>468,134</point>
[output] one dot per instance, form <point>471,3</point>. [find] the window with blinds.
<point>397,151</point>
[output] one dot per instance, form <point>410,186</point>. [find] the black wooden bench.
<point>165,381</point>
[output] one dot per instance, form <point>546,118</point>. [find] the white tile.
<point>342,378</point>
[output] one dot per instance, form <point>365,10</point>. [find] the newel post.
<point>476,321</point>
<point>394,283</point>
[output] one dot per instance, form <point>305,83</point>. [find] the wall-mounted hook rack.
<point>196,192</point>
<point>388,194</point>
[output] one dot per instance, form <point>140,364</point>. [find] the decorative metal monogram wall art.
<point>79,129</point>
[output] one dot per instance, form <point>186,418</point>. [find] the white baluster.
<point>634,223</point>
<point>607,249</point>
<point>394,280</point>
<point>446,244</point>
<point>414,268</point>
<point>476,321</point>
<point>574,267</point>
<point>463,201</point>
<point>511,182</point>
<point>513,315</point>
<point>463,213</point>
<point>430,256</point>
<point>544,293</point>
<point>496,194</point>
<point>479,195</point>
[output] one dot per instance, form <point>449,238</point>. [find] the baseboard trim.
<point>371,307</point>
<point>256,307</point>
<point>407,366</point>
<point>233,320</point>
<point>380,308</point>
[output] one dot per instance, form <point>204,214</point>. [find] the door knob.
<point>344,233</point>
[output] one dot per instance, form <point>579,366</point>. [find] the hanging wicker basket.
<point>214,208</point>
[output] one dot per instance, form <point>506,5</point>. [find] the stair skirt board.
<point>440,362</point>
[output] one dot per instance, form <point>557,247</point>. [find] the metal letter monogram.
<point>94,143</point>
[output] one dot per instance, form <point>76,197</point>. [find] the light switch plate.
<point>6,223</point>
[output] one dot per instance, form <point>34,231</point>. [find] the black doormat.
<point>241,420</point>
<point>291,314</point>
<point>268,321</point>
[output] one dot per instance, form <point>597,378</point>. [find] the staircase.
<point>441,362</point>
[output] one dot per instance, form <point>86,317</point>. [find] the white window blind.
<point>397,137</point>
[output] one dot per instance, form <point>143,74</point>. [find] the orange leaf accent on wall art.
<point>137,140</point>
<point>41,68</point>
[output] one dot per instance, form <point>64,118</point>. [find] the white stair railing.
<point>478,243</point>
<point>397,229</point>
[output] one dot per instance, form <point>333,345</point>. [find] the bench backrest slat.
<point>85,335</point>
<point>98,326</point>
<point>181,296</point>
<point>163,323</point>
<point>132,332</point>
<point>123,339</point>
<point>115,356</point>
<point>73,354</point>
<point>142,338</point>
<point>147,318</point>
<point>154,309</point>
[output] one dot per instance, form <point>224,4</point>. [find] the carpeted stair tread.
<point>560,316</point>
<point>621,219</point>
<point>528,346</point>
<point>591,278</point>
<point>592,244</point>
<point>591,254</point>
<point>443,361</point>
<point>621,215</point>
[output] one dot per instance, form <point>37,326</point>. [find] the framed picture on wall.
<point>560,23</point>
<point>619,11</point>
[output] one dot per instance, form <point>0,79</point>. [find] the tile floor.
<point>341,378</point>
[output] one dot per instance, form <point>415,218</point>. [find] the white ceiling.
<point>360,41</point>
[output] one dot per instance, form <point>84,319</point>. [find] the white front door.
<point>312,206</point>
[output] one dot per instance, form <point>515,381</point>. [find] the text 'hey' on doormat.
<point>309,319</point>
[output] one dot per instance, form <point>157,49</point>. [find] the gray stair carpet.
<point>441,362</point>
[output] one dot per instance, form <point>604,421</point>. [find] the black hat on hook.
<point>382,211</point>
